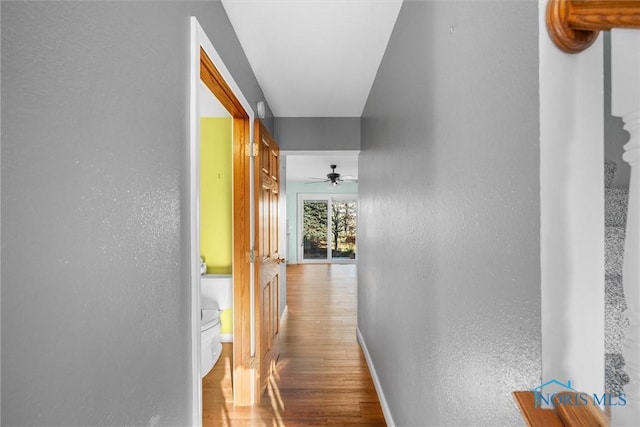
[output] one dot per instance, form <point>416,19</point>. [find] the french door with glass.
<point>327,228</point>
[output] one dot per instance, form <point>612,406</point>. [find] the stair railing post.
<point>625,103</point>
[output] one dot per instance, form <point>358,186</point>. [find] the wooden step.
<point>588,415</point>
<point>535,416</point>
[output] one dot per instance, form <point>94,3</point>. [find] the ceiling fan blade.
<point>317,182</point>
<point>320,179</point>
<point>349,177</point>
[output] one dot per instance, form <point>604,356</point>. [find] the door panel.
<point>274,221</point>
<point>275,307</point>
<point>265,224</point>
<point>268,258</point>
<point>266,319</point>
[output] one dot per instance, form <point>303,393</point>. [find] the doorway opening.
<point>328,181</point>
<point>209,78</point>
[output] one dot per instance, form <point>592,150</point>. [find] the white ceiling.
<point>314,58</point>
<point>302,167</point>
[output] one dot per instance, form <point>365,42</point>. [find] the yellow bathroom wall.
<point>216,209</point>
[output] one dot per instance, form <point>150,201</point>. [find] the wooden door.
<point>267,253</point>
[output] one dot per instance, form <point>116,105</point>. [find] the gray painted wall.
<point>449,244</point>
<point>95,227</point>
<point>318,133</point>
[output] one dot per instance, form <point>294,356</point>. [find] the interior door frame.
<point>299,224</point>
<point>206,65</point>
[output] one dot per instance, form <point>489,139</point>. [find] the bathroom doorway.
<point>211,79</point>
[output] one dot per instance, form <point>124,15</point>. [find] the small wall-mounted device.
<point>261,109</point>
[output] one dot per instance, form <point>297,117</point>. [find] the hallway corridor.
<point>321,376</point>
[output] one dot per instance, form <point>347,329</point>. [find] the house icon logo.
<point>557,386</point>
<point>550,382</point>
<point>559,393</point>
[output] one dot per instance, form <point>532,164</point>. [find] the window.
<point>327,227</point>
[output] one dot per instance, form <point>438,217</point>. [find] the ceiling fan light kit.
<point>333,178</point>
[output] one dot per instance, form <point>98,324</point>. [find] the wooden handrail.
<point>574,25</point>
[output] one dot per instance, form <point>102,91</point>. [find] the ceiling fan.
<point>333,178</point>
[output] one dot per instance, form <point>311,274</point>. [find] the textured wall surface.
<point>449,243</point>
<point>95,277</point>
<point>318,133</point>
<point>216,181</point>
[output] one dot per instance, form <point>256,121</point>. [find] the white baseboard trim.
<point>376,382</point>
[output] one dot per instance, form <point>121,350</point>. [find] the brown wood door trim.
<point>212,78</point>
<point>244,375</point>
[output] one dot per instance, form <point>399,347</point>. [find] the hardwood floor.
<point>321,377</point>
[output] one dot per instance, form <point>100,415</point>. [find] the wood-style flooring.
<point>321,378</point>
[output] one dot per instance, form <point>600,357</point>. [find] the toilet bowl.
<point>210,336</point>
<point>216,294</point>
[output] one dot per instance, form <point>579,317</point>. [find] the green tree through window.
<point>343,228</point>
<point>342,217</point>
<point>315,228</point>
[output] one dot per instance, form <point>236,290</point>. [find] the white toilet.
<point>216,294</point>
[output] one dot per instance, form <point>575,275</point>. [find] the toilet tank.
<point>216,291</point>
